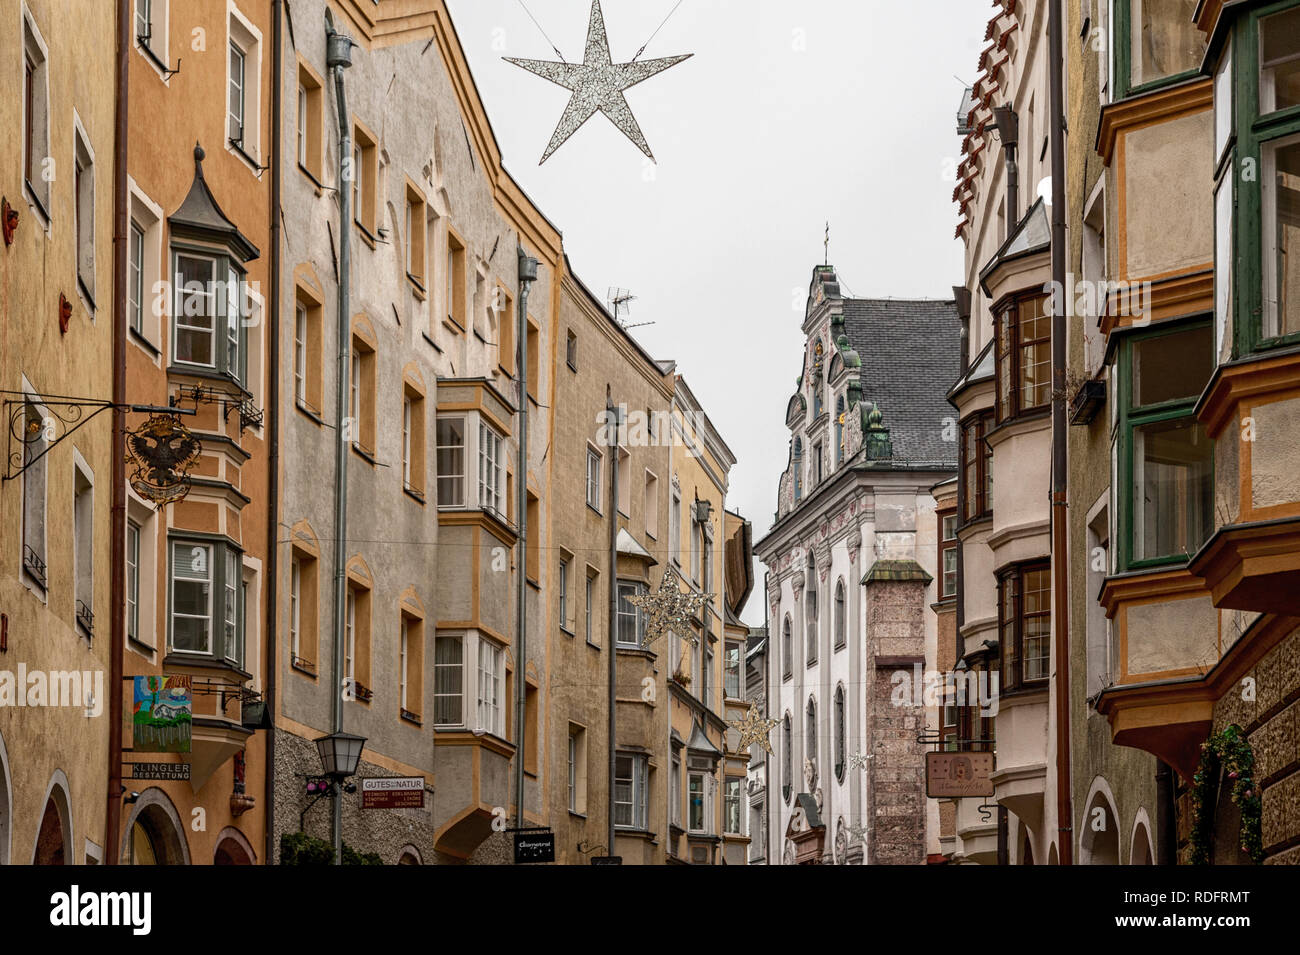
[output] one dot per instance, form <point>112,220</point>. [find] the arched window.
<point>787,758</point>
<point>787,650</point>
<point>839,430</point>
<point>810,730</point>
<point>839,732</point>
<point>810,610</point>
<point>818,404</point>
<point>798,469</point>
<point>839,614</point>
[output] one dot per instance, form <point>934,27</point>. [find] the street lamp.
<point>339,754</point>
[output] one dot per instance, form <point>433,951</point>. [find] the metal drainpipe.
<point>527,275</point>
<point>117,527</point>
<point>1060,513</point>
<point>767,709</point>
<point>338,58</point>
<point>616,415</point>
<point>273,426</point>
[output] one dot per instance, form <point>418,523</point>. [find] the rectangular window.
<point>532,352</point>
<point>84,212</point>
<point>133,580</point>
<point>624,458</point>
<point>304,608</point>
<point>699,801</point>
<point>451,462</point>
<point>356,668</point>
<point>491,662</point>
<point>448,681</point>
<point>413,430</point>
<point>564,593</point>
<point>1279,61</point>
<point>232,617</point>
<point>651,504</point>
<point>731,806</point>
<point>533,550</point>
<point>1281,253</point>
<point>1160,41</point>
<point>455,290</point>
<point>948,555</point>
<point>731,664</point>
<point>196,310</point>
<point>361,407</point>
<point>571,350</point>
<point>194,585</point>
<point>675,529</point>
<point>36,116</point>
<point>573,773</point>
<point>410,668</point>
<point>577,768</point>
<point>593,478</point>
<point>697,534</point>
<point>365,181</point>
<point>238,62</point>
<point>631,792</point>
<point>416,218</point>
<point>311,98</point>
<point>706,677</point>
<point>300,353</point>
<point>1025,620</point>
<point>1024,358</point>
<point>1166,456</point>
<point>631,623</point>
<point>83,547</point>
<point>590,625</point>
<point>491,470</point>
<point>135,289</point>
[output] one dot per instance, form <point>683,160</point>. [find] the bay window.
<point>731,665</point>
<point>1024,357</point>
<point>1156,44</point>
<point>947,556</point>
<point>731,806</point>
<point>491,470</point>
<point>448,681</point>
<point>451,462</point>
<point>976,469</point>
<point>491,678</point>
<point>700,788</point>
<point>631,623</point>
<point>1024,622</point>
<point>1163,457</point>
<point>206,613</point>
<point>631,791</point>
<point>209,325</point>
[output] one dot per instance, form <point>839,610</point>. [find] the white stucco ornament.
<point>597,84</point>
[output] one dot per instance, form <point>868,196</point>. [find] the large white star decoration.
<point>597,84</point>
<point>859,760</point>
<point>753,729</point>
<point>669,610</point>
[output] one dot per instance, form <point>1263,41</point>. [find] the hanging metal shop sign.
<point>534,845</point>
<point>163,451</point>
<point>401,792</point>
<point>958,775</point>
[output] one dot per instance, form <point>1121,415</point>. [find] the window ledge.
<point>578,815</point>
<point>365,454</point>
<point>315,180</point>
<point>35,200</point>
<point>624,650</point>
<point>572,366</point>
<point>428,338</point>
<point>412,718</point>
<point>181,658</point>
<point>414,494</point>
<point>456,327</point>
<point>87,298</point>
<point>565,630</point>
<point>305,667</point>
<point>597,510</point>
<point>417,287</point>
<point>144,342</point>
<point>309,412</point>
<point>254,165</point>
<point>533,583</point>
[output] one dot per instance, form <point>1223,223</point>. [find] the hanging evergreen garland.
<point>1229,752</point>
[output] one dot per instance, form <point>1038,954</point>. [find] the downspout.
<point>616,415</point>
<point>527,275</point>
<point>1060,565</point>
<point>767,709</point>
<point>338,58</point>
<point>1166,836</point>
<point>273,428</point>
<point>117,526</point>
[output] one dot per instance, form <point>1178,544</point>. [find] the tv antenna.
<point>620,302</point>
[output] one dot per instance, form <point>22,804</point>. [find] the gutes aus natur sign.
<point>960,774</point>
<point>399,792</point>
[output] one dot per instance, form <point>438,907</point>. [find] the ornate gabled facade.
<point>852,568</point>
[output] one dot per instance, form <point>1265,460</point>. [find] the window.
<point>83,186</point>
<point>839,733</point>
<point>211,315</point>
<point>310,126</point>
<point>1024,619</point>
<point>238,93</point>
<point>577,769</point>
<point>706,560</point>
<point>593,478</point>
<point>675,528</point>
<point>706,672</point>
<point>365,181</point>
<point>133,580</point>
<point>731,656</point>
<point>1024,358</point>
<point>533,552</point>
<point>36,116</point>
<point>533,354</point>
<point>83,545</point>
<point>976,469</point>
<point>416,216</point>
<point>810,612</point>
<point>451,462</point>
<point>787,650</point>
<point>491,470</point>
<point>731,806</point>
<point>651,504</point>
<point>448,681</point>
<point>34,490</point>
<point>1279,61</point>
<point>571,351</point>
<point>1157,42</point>
<point>563,585</point>
<point>491,677</point>
<point>798,469</point>
<point>1281,252</point>
<point>206,611</point>
<point>697,535</point>
<point>244,82</point>
<point>810,730</point>
<point>304,603</point>
<point>135,287</point>
<point>410,668</point>
<point>699,801</point>
<point>624,458</point>
<point>356,663</point>
<point>631,624</point>
<point>675,786</point>
<point>631,791</point>
<point>787,758</point>
<point>361,404</point>
<point>455,291</point>
<point>1164,456</point>
<point>413,440</point>
<point>947,556</point>
<point>841,626</point>
<point>589,624</point>
<point>817,464</point>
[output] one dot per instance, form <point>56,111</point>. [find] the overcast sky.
<point>789,114</point>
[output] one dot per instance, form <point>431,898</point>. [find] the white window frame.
<point>146,215</point>
<point>38,190</point>
<point>209,580</point>
<point>1272,319</point>
<point>459,695</point>
<point>637,781</point>
<point>460,477</point>
<point>83,551</point>
<point>83,208</point>
<point>408,415</point>
<point>133,535</point>
<point>490,709</point>
<point>247,38</point>
<point>564,592</point>
<point>156,50</point>
<point>675,527</point>
<point>629,588</point>
<point>492,468</point>
<point>295,607</point>
<point>595,471</point>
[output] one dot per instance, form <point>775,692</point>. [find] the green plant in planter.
<point>1228,752</point>
<point>298,848</point>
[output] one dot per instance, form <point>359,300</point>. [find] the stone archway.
<point>1026,846</point>
<point>1140,844</point>
<point>233,849</point>
<point>54,837</point>
<point>153,833</point>
<point>1099,844</point>
<point>6,802</point>
<point>409,856</point>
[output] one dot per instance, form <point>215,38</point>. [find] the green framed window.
<point>1257,207</point>
<point>211,314</point>
<point>206,599</point>
<point>1156,44</point>
<point>1163,460</point>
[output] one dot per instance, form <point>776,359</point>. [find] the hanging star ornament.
<point>668,610</point>
<point>752,729</point>
<point>597,84</point>
<point>859,760</point>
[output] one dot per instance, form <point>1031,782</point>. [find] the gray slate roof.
<point>911,355</point>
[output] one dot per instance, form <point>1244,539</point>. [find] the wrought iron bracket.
<point>250,416</point>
